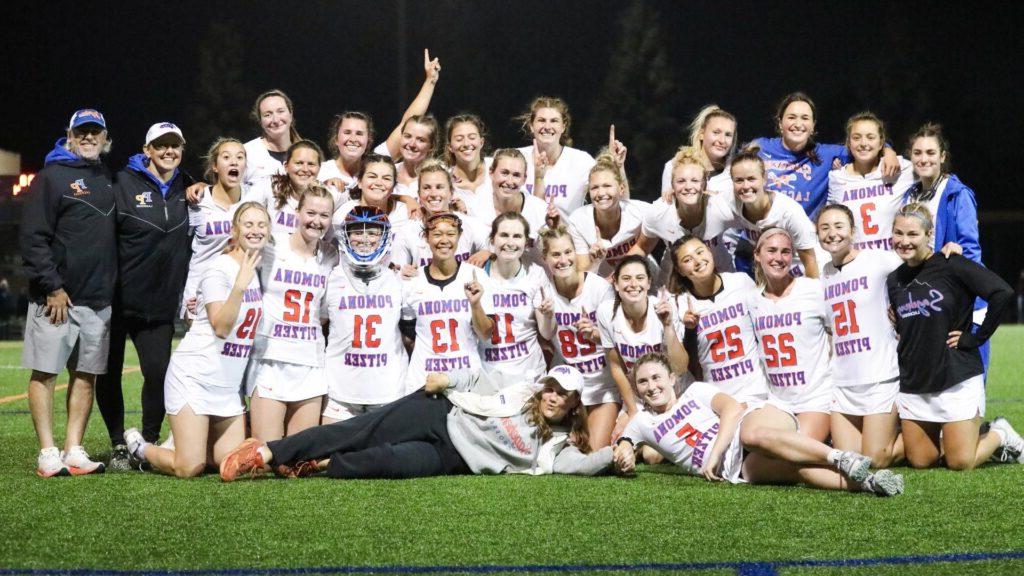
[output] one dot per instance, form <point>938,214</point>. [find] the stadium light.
<point>24,180</point>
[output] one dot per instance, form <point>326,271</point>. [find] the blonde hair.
<point>548,235</point>
<point>242,209</point>
<point>605,162</point>
<point>433,165</point>
<point>579,433</point>
<point>759,278</point>
<point>919,211</point>
<point>699,123</point>
<point>513,153</point>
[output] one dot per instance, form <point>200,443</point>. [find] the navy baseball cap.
<point>87,116</point>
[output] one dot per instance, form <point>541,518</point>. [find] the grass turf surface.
<point>140,521</point>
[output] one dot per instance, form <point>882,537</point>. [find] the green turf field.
<point>656,523</point>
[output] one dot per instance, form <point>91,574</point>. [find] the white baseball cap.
<point>565,376</point>
<point>160,129</point>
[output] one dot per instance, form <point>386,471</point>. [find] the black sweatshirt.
<point>932,300</point>
<point>67,231</point>
<point>153,243</point>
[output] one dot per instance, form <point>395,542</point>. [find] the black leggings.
<point>407,438</point>
<point>153,343</point>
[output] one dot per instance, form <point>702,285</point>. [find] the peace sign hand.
<point>691,317</point>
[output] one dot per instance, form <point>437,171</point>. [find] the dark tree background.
<point>646,66</point>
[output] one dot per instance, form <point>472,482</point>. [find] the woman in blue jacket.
<point>950,201</point>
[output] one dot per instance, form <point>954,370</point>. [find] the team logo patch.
<point>144,199</point>
<point>79,188</point>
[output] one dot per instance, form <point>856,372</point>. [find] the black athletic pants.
<point>407,438</point>
<point>153,343</point>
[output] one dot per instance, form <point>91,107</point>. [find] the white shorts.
<point>337,410</point>
<point>865,399</point>
<point>180,390</point>
<point>594,395</point>
<point>732,459</point>
<point>964,401</point>
<point>81,343</point>
<point>284,381</point>
<point>818,400</point>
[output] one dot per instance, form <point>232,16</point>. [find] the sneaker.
<point>78,462</point>
<point>245,459</point>
<point>855,466</point>
<point>50,464</point>
<point>169,443</point>
<point>884,483</point>
<point>1012,447</point>
<point>302,469</point>
<point>135,442</point>
<point>120,459</point>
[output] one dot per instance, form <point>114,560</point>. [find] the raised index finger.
<point>689,303</point>
<point>611,136</point>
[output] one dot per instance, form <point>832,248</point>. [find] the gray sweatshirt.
<point>493,435</point>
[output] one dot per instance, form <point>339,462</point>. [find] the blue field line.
<point>741,568</point>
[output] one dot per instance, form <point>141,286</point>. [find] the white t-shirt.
<point>211,229</point>
<point>445,339</point>
<point>293,292</point>
<point>617,333</point>
<point>566,181</point>
<point>874,202</point>
<point>569,346</point>
<point>411,246</point>
<point>863,338</point>
<point>259,164</point>
<point>686,433</point>
<point>794,340</point>
<point>584,232</point>
<point>513,354</point>
<point>726,343</point>
<point>330,170</point>
<point>220,362</point>
<point>366,359</point>
<point>784,213</point>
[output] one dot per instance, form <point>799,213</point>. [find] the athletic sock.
<point>834,456</point>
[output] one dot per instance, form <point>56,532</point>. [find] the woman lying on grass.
<point>706,432</point>
<point>457,424</point>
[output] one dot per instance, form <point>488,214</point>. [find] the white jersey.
<point>566,181</point>
<point>398,217</point>
<point>662,222</point>
<point>863,338</point>
<point>202,355</point>
<point>719,183</point>
<point>512,355</point>
<point>583,229</point>
<point>445,339</point>
<point>366,358</point>
<point>873,201</point>
<point>465,190</point>
<point>329,170</point>
<point>570,347</point>
<point>726,344</point>
<point>411,246</point>
<point>259,164</point>
<point>210,224</point>
<point>794,341</point>
<point>283,220</point>
<point>617,333</point>
<point>784,213</point>
<point>293,291</point>
<point>686,433</point>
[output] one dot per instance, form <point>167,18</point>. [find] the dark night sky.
<point>907,63</point>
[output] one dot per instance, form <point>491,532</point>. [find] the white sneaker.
<point>169,443</point>
<point>855,466</point>
<point>78,462</point>
<point>133,438</point>
<point>884,483</point>
<point>50,464</point>
<point>1012,448</point>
